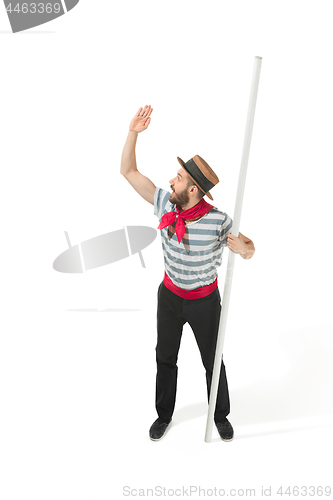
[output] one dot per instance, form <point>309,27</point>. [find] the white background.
<point>78,387</point>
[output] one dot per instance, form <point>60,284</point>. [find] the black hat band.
<point>192,168</point>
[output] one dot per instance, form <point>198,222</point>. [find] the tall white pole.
<point>231,258</point>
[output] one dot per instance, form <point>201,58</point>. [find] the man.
<point>193,234</point>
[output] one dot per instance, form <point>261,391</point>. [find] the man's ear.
<point>194,189</point>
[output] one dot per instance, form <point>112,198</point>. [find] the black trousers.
<point>203,316</point>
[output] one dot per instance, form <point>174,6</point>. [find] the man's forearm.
<point>249,250</point>
<point>128,160</point>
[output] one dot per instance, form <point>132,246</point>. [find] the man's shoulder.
<point>161,201</point>
<point>163,196</point>
<point>218,214</point>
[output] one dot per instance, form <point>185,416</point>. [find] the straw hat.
<point>201,173</point>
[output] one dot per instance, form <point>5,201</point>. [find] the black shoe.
<point>157,430</point>
<point>225,430</point>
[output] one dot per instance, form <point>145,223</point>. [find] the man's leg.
<point>203,316</point>
<point>169,331</point>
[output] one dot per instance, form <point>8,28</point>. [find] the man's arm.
<point>128,167</point>
<point>242,245</point>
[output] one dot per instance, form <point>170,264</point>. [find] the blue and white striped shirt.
<point>193,262</point>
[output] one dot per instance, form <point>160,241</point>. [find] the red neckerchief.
<point>198,210</point>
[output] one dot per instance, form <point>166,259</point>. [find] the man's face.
<point>178,185</point>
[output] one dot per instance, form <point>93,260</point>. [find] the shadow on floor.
<point>304,392</point>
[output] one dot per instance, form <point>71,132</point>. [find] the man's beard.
<point>181,198</point>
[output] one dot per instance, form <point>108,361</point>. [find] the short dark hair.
<point>190,183</point>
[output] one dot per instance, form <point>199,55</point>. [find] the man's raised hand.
<point>141,119</point>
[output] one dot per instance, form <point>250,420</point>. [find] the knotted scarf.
<point>197,211</point>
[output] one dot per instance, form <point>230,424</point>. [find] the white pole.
<point>231,258</point>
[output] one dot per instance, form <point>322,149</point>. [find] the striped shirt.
<point>193,262</point>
